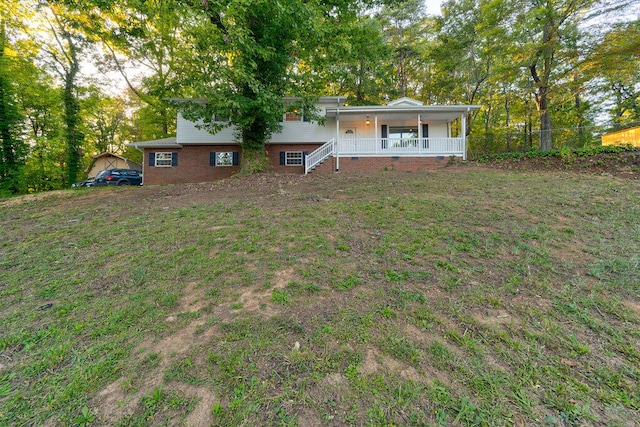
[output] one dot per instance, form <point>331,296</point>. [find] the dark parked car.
<point>117,177</point>
<point>85,183</point>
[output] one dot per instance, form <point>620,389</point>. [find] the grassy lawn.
<point>467,296</point>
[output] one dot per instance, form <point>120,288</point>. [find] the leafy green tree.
<point>12,148</point>
<point>465,54</point>
<point>354,64</point>
<point>403,25</point>
<point>64,51</point>
<point>105,122</point>
<point>614,64</point>
<point>41,105</point>
<point>144,37</point>
<point>543,29</point>
<point>253,45</point>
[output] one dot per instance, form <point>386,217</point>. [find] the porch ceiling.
<point>435,113</point>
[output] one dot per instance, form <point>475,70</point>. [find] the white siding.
<point>438,130</point>
<point>306,132</point>
<point>292,132</point>
<point>188,133</point>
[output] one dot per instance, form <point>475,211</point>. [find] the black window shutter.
<point>304,157</point>
<point>152,159</point>
<point>174,159</point>
<point>282,158</point>
<point>425,135</point>
<point>384,136</point>
<point>235,158</point>
<point>212,158</point>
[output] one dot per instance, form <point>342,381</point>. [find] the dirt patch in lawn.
<point>256,299</point>
<point>117,399</point>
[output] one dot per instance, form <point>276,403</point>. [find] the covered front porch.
<point>403,128</point>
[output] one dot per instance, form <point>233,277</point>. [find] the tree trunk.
<point>72,120</point>
<point>254,157</point>
<point>359,83</point>
<point>254,160</point>
<point>545,131</point>
<point>165,124</point>
<point>11,148</point>
<point>507,108</point>
<point>530,131</point>
<point>7,157</point>
<point>543,110</point>
<point>578,104</point>
<point>73,135</point>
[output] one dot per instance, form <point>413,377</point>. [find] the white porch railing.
<point>397,146</point>
<point>373,147</point>
<point>319,155</point>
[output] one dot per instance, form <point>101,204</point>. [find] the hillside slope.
<point>464,296</point>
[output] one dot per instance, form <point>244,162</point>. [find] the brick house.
<point>402,135</point>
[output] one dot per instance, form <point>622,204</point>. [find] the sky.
<point>433,6</point>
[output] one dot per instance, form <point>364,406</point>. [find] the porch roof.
<point>428,112</point>
<point>157,143</point>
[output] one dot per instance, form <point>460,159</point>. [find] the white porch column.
<point>464,136</point>
<point>419,133</point>
<point>338,139</point>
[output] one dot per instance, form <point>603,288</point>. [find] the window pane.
<point>293,158</point>
<point>163,159</point>
<point>292,117</point>
<point>402,132</point>
<point>224,159</point>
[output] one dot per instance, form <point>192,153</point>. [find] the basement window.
<point>224,159</point>
<point>293,158</point>
<point>163,159</point>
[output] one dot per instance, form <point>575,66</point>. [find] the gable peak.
<point>404,102</point>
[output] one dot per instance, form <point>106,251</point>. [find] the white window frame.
<point>164,159</point>
<point>291,158</point>
<point>404,132</point>
<point>224,158</point>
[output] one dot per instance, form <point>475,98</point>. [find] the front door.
<point>349,133</point>
<point>349,139</point>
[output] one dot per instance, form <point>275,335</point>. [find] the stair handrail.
<point>319,155</point>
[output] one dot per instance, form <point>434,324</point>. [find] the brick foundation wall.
<point>369,164</point>
<point>328,166</point>
<point>193,165</point>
